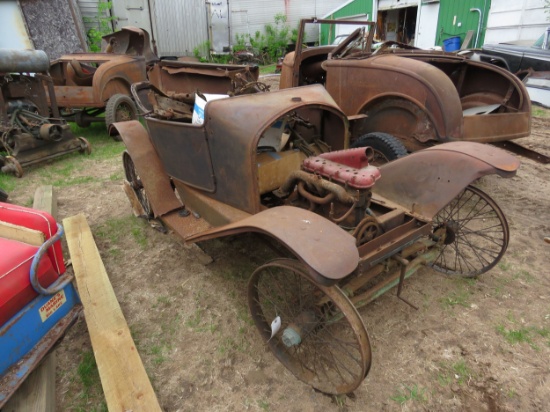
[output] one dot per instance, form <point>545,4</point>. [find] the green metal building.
<point>423,23</point>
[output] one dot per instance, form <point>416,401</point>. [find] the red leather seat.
<point>16,259</point>
<point>37,220</point>
<point>15,286</point>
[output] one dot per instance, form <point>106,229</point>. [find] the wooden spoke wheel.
<point>135,182</point>
<point>476,234</point>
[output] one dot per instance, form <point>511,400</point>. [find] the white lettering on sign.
<point>49,308</point>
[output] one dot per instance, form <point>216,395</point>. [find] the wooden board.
<point>123,377</point>
<point>37,393</point>
<point>21,234</point>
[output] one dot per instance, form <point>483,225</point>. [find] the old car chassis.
<point>278,165</point>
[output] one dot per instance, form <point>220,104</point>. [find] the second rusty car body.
<point>90,84</point>
<point>422,97</point>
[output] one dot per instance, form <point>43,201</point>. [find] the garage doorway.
<point>397,25</point>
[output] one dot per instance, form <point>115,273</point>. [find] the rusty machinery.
<point>28,134</point>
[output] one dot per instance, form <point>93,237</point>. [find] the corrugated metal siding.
<point>249,16</point>
<point>511,20</point>
<point>355,8</point>
<point>449,26</point>
<point>179,26</point>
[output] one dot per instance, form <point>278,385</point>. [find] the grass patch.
<point>514,336</point>
<point>538,111</point>
<point>457,298</point>
<point>409,393</point>
<point>91,383</point>
<point>458,372</point>
<point>268,69</point>
<point>114,230</point>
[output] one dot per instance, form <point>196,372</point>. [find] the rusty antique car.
<point>421,97</point>
<point>28,134</point>
<point>90,84</point>
<point>278,165</point>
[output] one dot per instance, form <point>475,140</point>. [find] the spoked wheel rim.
<point>327,344</point>
<point>476,234</point>
<point>135,182</point>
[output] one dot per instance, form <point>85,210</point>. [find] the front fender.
<point>149,168</point>
<point>426,181</point>
<point>328,251</point>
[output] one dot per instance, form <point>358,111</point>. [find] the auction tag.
<point>49,308</point>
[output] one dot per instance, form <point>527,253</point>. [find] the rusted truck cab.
<point>421,97</point>
<point>90,84</point>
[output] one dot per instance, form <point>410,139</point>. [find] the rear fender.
<point>328,251</point>
<point>426,181</point>
<point>154,178</point>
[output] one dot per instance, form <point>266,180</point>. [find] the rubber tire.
<point>112,106</point>
<point>384,143</point>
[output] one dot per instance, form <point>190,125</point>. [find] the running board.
<point>523,151</point>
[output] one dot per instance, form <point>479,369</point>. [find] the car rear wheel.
<point>119,108</point>
<point>386,147</point>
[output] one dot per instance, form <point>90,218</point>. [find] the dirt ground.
<point>473,345</point>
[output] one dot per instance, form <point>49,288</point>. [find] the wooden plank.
<point>37,393</point>
<point>467,40</point>
<point>123,377</point>
<point>21,234</point>
<point>45,199</point>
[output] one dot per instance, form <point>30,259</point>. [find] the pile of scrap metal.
<point>38,301</point>
<point>177,89</point>
<point>28,134</point>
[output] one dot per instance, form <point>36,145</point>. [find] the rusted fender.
<point>153,177</point>
<point>426,181</point>
<point>323,246</point>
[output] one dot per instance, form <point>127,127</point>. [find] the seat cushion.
<point>15,286</point>
<point>37,220</point>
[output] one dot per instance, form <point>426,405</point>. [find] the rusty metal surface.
<point>114,75</point>
<point>361,86</point>
<point>130,41</point>
<point>15,377</point>
<point>188,77</point>
<point>149,167</point>
<point>19,61</point>
<point>229,139</point>
<point>184,151</point>
<point>424,182</point>
<point>523,151</point>
<point>317,242</point>
<point>415,95</point>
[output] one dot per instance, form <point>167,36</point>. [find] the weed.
<point>458,372</point>
<point>164,301</point>
<point>89,377</point>
<point>504,266</point>
<point>460,297</point>
<point>461,371</point>
<point>263,405</point>
<point>408,393</point>
<point>114,229</point>
<point>103,20</point>
<point>8,182</point>
<point>514,336</point>
<point>540,112</point>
